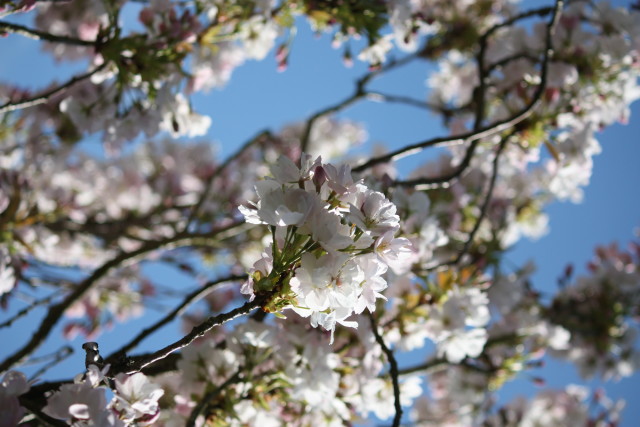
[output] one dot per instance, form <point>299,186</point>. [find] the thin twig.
<point>209,184</point>
<point>188,300</point>
<point>439,362</point>
<point>393,371</point>
<point>306,135</point>
<point>44,97</point>
<point>379,96</point>
<point>10,27</point>
<point>504,61</point>
<point>26,310</point>
<point>359,93</point>
<point>57,357</point>
<point>485,204</point>
<point>523,15</point>
<point>430,364</point>
<point>205,403</point>
<point>439,181</point>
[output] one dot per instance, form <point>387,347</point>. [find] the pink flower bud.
<point>281,53</point>
<point>539,381</point>
<point>319,177</point>
<point>146,16</point>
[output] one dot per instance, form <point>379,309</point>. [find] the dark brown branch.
<point>43,418</point>
<point>55,312</point>
<point>504,61</point>
<point>42,35</point>
<point>481,90</point>
<point>433,363</point>
<point>437,362</point>
<point>485,204</point>
<point>190,298</point>
<point>393,370</point>
<point>26,310</point>
<point>358,94</point>
<point>456,139</point>
<point>135,364</point>
<point>429,183</point>
<point>476,135</point>
<point>523,15</point>
<point>306,136</point>
<point>375,96</point>
<point>480,111</point>
<point>394,63</point>
<point>44,97</point>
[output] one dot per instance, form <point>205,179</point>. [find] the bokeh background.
<point>259,97</point>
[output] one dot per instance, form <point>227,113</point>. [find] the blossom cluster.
<point>296,377</point>
<point>333,240</point>
<point>603,338</point>
<point>84,402</point>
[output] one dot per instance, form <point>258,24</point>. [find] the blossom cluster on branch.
<point>308,269</point>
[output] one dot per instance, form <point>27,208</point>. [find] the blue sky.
<point>259,97</point>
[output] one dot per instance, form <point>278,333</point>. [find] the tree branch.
<point>44,97</point>
<point>375,96</point>
<point>190,298</point>
<point>359,93</point>
<point>437,362</point>
<point>439,181</point>
<point>485,204</point>
<point>55,312</point>
<point>393,370</point>
<point>37,413</point>
<point>306,136</point>
<point>209,185</point>
<point>523,15</point>
<point>433,363</point>
<point>135,364</point>
<point>26,310</point>
<point>482,132</point>
<point>44,36</point>
<point>57,357</point>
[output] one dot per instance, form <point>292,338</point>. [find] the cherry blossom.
<point>305,264</point>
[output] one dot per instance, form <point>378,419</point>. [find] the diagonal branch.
<point>61,354</point>
<point>44,97</point>
<point>359,93</point>
<point>218,172</point>
<point>190,298</point>
<point>10,27</point>
<point>134,364</point>
<point>26,310</point>
<point>399,99</point>
<point>306,136</point>
<point>426,366</point>
<point>55,312</point>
